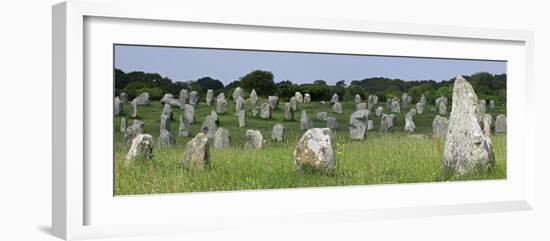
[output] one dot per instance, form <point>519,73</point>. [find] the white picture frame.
<point>71,189</point>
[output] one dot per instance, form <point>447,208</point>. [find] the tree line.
<point>487,86</point>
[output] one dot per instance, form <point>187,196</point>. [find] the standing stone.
<point>167,110</point>
<point>441,100</point>
<point>395,107</point>
<point>442,109</point>
<point>440,126</point>
<point>315,150</point>
<point>210,97</point>
<point>184,128</point>
<point>492,104</point>
<point>174,102</point>
<point>500,124</point>
<point>332,123</point>
<point>193,98</point>
<point>305,121</point>
<point>379,111</point>
<point>288,112</point>
<point>239,104</point>
<point>142,99</point>
<point>294,103</point>
<point>166,139</point>
<point>238,92</point>
<point>164,122</point>
<point>183,97</point>
<point>141,149</point>
<point>487,123</point>
<point>337,108</point>
<point>167,97</point>
<point>221,138</point>
<point>273,101</point>
<point>370,125</point>
<point>375,99</point>
<point>242,118</point>
<point>197,153</point>
<point>408,100</point>
<point>404,100</point>
<point>255,111</point>
<point>253,139</point>
<point>361,106</point>
<point>123,124</point>
<point>358,123</point>
<point>299,97</point>
<point>423,100</point>
<point>134,108</point>
<point>214,116</point>
<point>253,97</point>
<point>409,122</point>
<point>334,99</point>
<point>307,98</point>
<point>119,107</point>
<point>420,107</point>
<point>189,112</point>
<point>277,132</point>
<point>221,104</point>
<point>131,132</point>
<point>357,99</point>
<point>466,147</point>
<point>124,98</point>
<point>386,122</point>
<point>265,111</point>
<point>322,116</point>
<point>209,127</point>
<point>482,106</point>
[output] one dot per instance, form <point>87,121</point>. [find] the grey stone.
<point>370,125</point>
<point>209,127</point>
<point>442,110</point>
<point>119,106</point>
<point>239,104</point>
<point>221,104</point>
<point>184,128</point>
<point>277,132</point>
<point>482,105</point>
<point>197,153</point>
<point>214,116</point>
<point>294,103</point>
<point>395,107</point>
<point>193,98</point>
<point>358,123</point>
<point>189,113</point>
<point>174,102</point>
<point>492,104</point>
<point>423,100</point>
<point>124,98</point>
<point>265,111</point>
<point>305,121</point>
<point>242,118</point>
<point>253,139</point>
<point>183,97</point>
<point>166,98</point>
<point>273,101</point>
<point>500,124</point>
<point>466,147</point>
<point>386,122</point>
<point>141,149</point>
<point>379,111</point>
<point>332,123</point>
<point>357,99</point>
<point>166,139</point>
<point>253,97</point>
<point>221,138</point>
<point>255,111</point>
<point>134,108</point>
<point>419,107</point>
<point>334,99</point>
<point>322,116</point>
<point>167,110</point>
<point>441,100</point>
<point>164,122</point>
<point>337,108</point>
<point>288,112</point>
<point>132,131</point>
<point>299,97</point>
<point>409,122</point>
<point>142,99</point>
<point>307,98</point>
<point>440,126</point>
<point>210,97</point>
<point>315,150</point>
<point>238,92</point>
<point>361,106</point>
<point>486,124</point>
<point>123,124</point>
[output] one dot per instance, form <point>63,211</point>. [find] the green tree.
<point>259,80</point>
<point>209,83</point>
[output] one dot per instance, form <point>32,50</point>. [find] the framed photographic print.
<point>172,121</point>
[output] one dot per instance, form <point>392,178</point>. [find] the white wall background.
<point>25,155</point>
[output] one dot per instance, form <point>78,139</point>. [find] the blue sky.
<point>183,64</point>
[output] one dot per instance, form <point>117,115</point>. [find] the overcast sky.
<point>183,64</point>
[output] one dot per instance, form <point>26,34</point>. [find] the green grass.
<point>395,157</point>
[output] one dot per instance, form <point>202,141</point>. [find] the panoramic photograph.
<point>192,119</point>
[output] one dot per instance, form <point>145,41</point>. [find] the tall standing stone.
<point>423,100</point>
<point>299,97</point>
<point>238,92</point>
<point>166,139</point>
<point>420,107</point>
<point>395,107</point>
<point>294,103</point>
<point>273,101</point>
<point>404,100</point>
<point>134,108</point>
<point>409,122</point>
<point>466,147</point>
<point>334,99</point>
<point>357,99</point>
<point>370,125</point>
<point>167,110</point>
<point>239,104</point>
<point>500,124</point>
<point>184,128</point>
<point>442,109</point>
<point>358,123</point>
<point>337,108</point>
<point>253,97</point>
<point>482,106</point>
<point>221,138</point>
<point>277,132</point>
<point>487,123</point>
<point>492,104</point>
<point>386,122</point>
<point>123,124</point>
<point>210,97</point>
<point>214,116</point>
<point>253,139</point>
<point>119,107</point>
<point>332,123</point>
<point>132,131</point>
<point>183,97</point>
<point>189,112</point>
<point>379,111</point>
<point>305,121</point>
<point>315,150</point>
<point>209,127</point>
<point>307,98</point>
<point>288,112</point>
<point>141,149</point>
<point>221,104</point>
<point>242,118</point>
<point>164,122</point>
<point>265,111</point>
<point>193,98</point>
<point>142,99</point>
<point>197,153</point>
<point>440,126</point>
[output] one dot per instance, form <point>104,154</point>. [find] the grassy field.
<point>395,157</point>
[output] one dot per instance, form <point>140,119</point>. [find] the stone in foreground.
<point>141,149</point>
<point>315,150</point>
<point>221,138</point>
<point>184,128</point>
<point>466,147</point>
<point>358,124</point>
<point>197,153</point>
<point>253,139</point>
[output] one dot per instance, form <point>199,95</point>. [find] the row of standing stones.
<point>466,133</point>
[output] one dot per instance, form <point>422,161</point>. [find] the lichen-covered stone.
<point>253,139</point>
<point>358,124</point>
<point>221,138</point>
<point>141,149</point>
<point>315,150</point>
<point>277,132</point>
<point>197,153</point>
